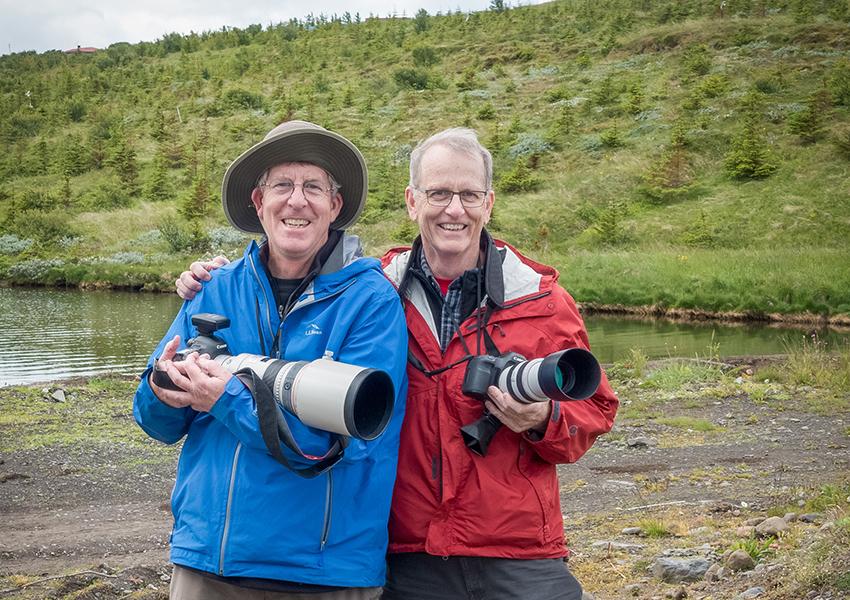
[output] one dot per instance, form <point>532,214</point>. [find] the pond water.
<point>49,334</point>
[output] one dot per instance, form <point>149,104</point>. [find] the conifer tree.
<point>671,174</point>
<point>122,158</point>
<point>634,99</point>
<point>196,201</point>
<point>750,157</point>
<point>158,187</point>
<point>808,123</point>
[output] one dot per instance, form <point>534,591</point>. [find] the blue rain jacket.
<point>237,511</point>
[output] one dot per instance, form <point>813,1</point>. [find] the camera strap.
<point>275,429</point>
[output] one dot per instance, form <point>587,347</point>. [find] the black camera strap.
<point>275,430</point>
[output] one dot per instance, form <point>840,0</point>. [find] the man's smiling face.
<point>297,226</point>
<point>450,234</point>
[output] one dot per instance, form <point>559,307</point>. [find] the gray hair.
<point>261,180</point>
<point>460,139</point>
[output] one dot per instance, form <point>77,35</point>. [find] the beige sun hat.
<point>295,141</point>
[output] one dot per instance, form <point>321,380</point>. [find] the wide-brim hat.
<point>295,141</point>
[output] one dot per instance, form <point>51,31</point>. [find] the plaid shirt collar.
<point>450,317</point>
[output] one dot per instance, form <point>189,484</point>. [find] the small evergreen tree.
<point>563,125</point>
<point>73,159</point>
<point>158,187</point>
<point>420,21</point>
<point>122,158</point>
<point>634,99</point>
<point>750,157</point>
<point>808,123</point>
<point>608,228</point>
<point>196,202</point>
<point>671,174</point>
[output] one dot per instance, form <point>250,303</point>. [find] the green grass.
<point>676,374</point>
<point>654,528</point>
<point>813,280</point>
<point>689,423</point>
<point>99,413</point>
<point>756,548</point>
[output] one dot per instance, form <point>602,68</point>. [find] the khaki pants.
<point>188,585</point>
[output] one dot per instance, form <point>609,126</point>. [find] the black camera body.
<point>483,371</point>
<point>205,342</point>
<point>570,374</point>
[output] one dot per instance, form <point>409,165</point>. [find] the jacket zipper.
<point>226,529</point>
<point>265,296</point>
<point>326,524</point>
<point>326,520</point>
<point>525,476</point>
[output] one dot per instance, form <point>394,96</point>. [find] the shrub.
<point>109,194</point>
<point>221,237</point>
<point>607,92</point>
<point>487,112</point>
<point>634,99</point>
<point>44,226</point>
<point>424,56</point>
<point>237,98</point>
<point>808,123</point>
<point>839,83</point>
<point>126,258</point>
<point>671,174</point>
<point>183,238</point>
<point>518,179</point>
<point>608,228</point>
<point>841,139</point>
<point>696,60</point>
<point>528,144</point>
<point>12,244</point>
<point>405,232</point>
<point>611,138</point>
<point>555,94</point>
<point>415,79</point>
<point>700,233</point>
<point>34,269</point>
<point>714,86</point>
<point>467,80</point>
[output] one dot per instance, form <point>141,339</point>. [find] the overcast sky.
<point>62,24</point>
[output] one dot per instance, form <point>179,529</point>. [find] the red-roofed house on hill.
<point>81,50</point>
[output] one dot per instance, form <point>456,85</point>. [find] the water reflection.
<point>612,338</point>
<point>48,334</point>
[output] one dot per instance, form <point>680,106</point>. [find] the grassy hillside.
<point>658,153</point>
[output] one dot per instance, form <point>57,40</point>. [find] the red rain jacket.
<point>448,501</point>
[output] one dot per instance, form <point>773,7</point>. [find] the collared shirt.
<point>451,314</point>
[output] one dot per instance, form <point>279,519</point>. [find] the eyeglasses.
<point>312,190</point>
<point>468,198</point>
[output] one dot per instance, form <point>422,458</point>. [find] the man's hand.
<point>189,282</point>
<point>172,398</point>
<point>517,416</point>
<point>201,379</point>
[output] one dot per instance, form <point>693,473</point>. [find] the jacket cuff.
<point>534,436</point>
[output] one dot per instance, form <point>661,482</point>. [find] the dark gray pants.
<point>416,576</point>
<point>188,585</point>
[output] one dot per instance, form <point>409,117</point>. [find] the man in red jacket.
<point>465,526</point>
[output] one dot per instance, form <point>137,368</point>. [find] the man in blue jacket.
<point>245,526</point>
